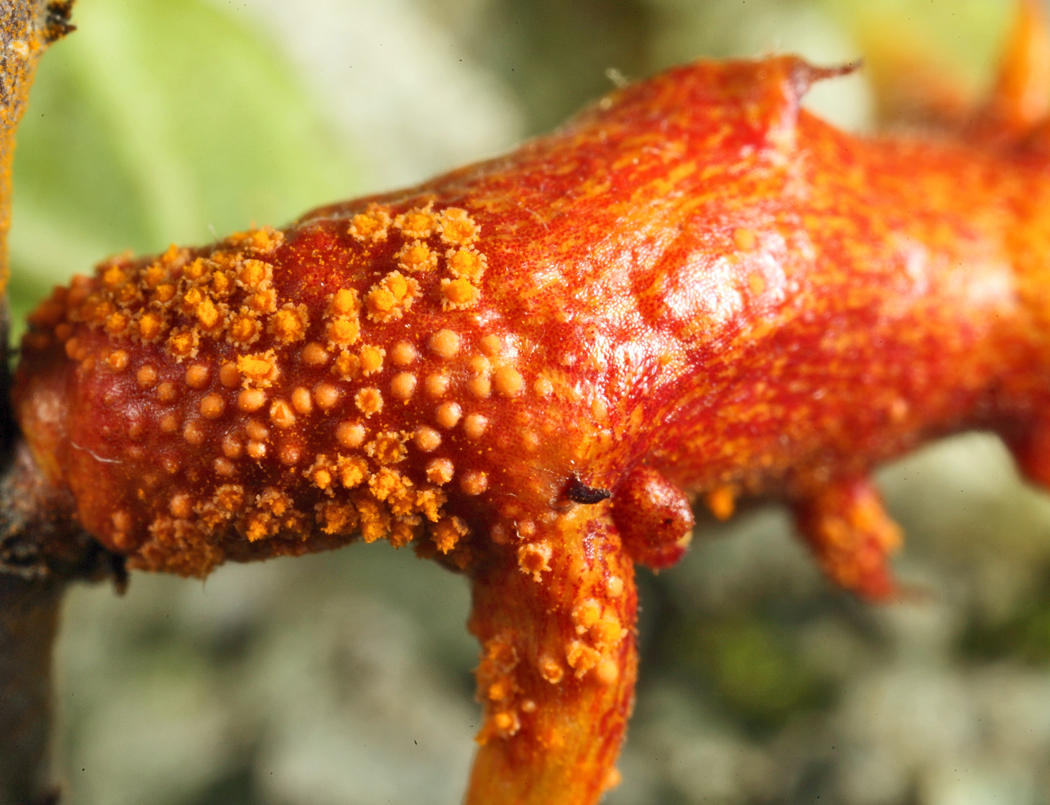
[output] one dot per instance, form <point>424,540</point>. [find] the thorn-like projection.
<point>1020,99</point>
<point>852,536</point>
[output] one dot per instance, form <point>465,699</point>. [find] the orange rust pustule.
<point>695,277</point>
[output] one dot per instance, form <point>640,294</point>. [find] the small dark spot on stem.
<point>576,490</point>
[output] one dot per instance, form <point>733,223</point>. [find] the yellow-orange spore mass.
<point>529,367</point>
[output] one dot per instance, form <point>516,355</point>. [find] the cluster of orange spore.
<point>529,367</point>
<point>267,418</point>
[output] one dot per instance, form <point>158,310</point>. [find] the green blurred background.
<point>345,678</point>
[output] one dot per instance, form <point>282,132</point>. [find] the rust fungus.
<point>484,367</point>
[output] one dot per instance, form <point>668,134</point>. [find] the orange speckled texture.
<point>694,290</point>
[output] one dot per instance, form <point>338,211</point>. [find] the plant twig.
<point>41,549</point>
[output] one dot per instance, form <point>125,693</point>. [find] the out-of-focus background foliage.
<point>345,678</point>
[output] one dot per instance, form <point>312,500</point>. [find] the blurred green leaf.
<point>158,122</point>
<point>754,669</point>
<point>1021,634</point>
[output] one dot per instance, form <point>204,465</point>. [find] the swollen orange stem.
<point>527,368</point>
